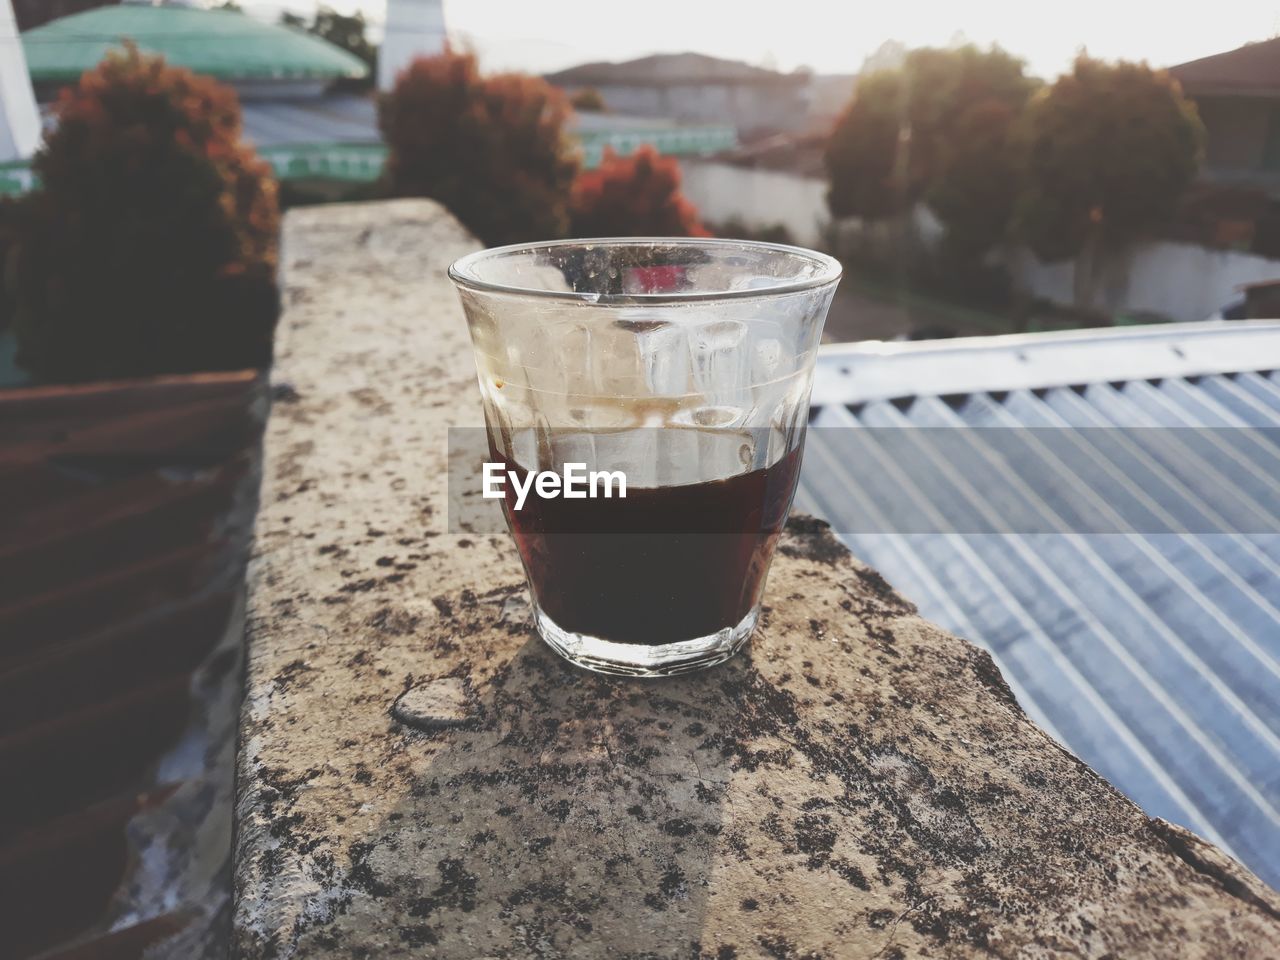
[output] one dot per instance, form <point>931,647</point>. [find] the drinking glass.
<point>684,365</point>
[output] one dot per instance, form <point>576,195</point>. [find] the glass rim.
<point>462,271</point>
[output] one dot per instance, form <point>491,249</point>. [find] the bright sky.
<point>832,36</point>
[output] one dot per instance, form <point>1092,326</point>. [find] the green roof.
<point>225,44</point>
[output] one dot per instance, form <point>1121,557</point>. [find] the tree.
<point>589,101</point>
<point>1108,151</point>
<point>975,188</point>
<point>347,32</point>
<point>33,13</point>
<point>633,196</point>
<point>936,130</point>
<point>890,55</point>
<point>150,246</point>
<point>491,149</point>
<point>870,168</point>
<point>11,209</point>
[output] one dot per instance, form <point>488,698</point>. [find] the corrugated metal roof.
<point>311,120</point>
<point>1153,657</point>
<point>225,44</point>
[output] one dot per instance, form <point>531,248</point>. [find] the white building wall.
<point>758,198</point>
<point>414,28</point>
<point>1178,280</point>
<point>19,119</point>
<point>1181,281</point>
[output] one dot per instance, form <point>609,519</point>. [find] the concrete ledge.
<point>858,784</point>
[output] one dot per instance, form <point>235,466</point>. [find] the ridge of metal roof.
<point>850,373</point>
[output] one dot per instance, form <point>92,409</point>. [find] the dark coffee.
<point>665,564</point>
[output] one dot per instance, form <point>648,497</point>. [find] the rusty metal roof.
<point>128,510</point>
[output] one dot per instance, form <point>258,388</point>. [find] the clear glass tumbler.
<point>683,365</point>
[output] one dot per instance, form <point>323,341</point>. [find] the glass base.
<point>641,660</point>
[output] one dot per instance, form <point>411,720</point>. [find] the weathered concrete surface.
<point>858,784</point>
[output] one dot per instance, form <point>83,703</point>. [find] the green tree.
<point>10,235</point>
<point>589,100</point>
<point>347,32</point>
<point>937,130</point>
<point>890,55</point>
<point>870,169</point>
<point>975,188</point>
<point>1107,151</point>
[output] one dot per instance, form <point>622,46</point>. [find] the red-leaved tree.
<point>633,196</point>
<point>150,245</point>
<point>491,149</point>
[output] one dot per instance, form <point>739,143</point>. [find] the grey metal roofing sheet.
<point>332,119</point>
<point>1155,657</point>
<point>353,118</point>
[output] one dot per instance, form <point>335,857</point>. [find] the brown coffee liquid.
<point>664,564</point>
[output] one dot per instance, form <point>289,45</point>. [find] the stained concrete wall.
<point>855,784</point>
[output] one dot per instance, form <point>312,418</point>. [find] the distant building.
<point>414,28</point>
<point>282,75</point>
<point>258,59</point>
<point>797,154</point>
<point>1238,95</point>
<point>695,88</point>
<point>316,139</point>
<point>19,121</point>
<point>828,95</point>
